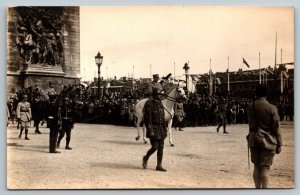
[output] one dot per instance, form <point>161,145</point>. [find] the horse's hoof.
<point>145,142</point>
<point>172,145</point>
<point>137,138</point>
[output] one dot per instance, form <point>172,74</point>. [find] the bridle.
<point>173,99</point>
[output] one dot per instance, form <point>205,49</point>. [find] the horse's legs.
<point>144,134</point>
<point>137,125</point>
<point>170,132</point>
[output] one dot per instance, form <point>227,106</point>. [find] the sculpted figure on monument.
<point>39,39</point>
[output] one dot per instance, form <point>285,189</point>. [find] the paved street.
<point>106,157</point>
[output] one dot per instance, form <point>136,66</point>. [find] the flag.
<point>269,70</point>
<point>244,61</point>
<point>285,74</point>
<point>195,78</point>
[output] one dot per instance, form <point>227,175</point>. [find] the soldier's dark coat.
<point>154,119</point>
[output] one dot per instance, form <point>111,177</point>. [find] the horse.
<point>168,103</point>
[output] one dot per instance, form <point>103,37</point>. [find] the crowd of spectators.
<point>117,107</point>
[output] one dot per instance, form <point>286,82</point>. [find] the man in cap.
<point>156,129</point>
<point>154,85</point>
<point>67,118</point>
<point>221,115</point>
<point>51,90</point>
<point>53,122</point>
<point>24,115</point>
<point>263,115</point>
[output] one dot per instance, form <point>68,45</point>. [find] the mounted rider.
<point>158,85</point>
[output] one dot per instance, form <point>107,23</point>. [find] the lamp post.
<point>186,70</point>
<point>98,59</point>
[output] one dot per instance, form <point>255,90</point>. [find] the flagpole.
<point>132,77</point>
<point>281,56</point>
<point>228,84</point>
<point>174,74</point>
<point>281,83</point>
<point>150,71</point>
<point>259,68</point>
<point>275,48</point>
<point>210,84</point>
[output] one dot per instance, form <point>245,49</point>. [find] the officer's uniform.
<point>179,115</point>
<point>24,116</point>
<point>264,115</point>
<point>67,118</point>
<point>54,123</point>
<point>156,129</point>
<point>221,117</point>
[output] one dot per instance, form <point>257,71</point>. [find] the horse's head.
<point>180,93</point>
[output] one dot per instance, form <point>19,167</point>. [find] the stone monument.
<point>43,45</point>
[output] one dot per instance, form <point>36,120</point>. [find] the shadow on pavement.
<point>133,142</point>
<point>116,165</point>
<point>14,144</point>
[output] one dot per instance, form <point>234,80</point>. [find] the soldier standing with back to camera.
<point>156,129</point>
<point>67,118</point>
<point>53,122</point>
<point>262,115</point>
<point>221,116</point>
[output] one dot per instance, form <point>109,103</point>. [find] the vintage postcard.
<point>150,97</point>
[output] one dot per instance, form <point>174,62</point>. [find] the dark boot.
<point>145,162</point>
<point>37,130</point>
<point>58,144</point>
<point>68,148</point>
<point>67,143</point>
<point>21,131</point>
<point>160,168</point>
<point>159,160</point>
<point>26,133</point>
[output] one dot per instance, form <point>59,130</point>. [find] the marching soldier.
<point>53,122</point>
<point>156,129</point>
<point>222,107</point>
<point>24,116</point>
<point>67,118</point>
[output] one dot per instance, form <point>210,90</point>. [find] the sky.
<point>140,41</point>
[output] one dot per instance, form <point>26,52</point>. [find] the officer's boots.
<point>159,161</point>
<point>21,131</point>
<point>58,143</point>
<point>67,144</point>
<point>26,132</point>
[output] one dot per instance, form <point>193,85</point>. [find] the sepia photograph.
<point>150,97</point>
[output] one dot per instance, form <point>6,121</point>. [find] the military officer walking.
<point>67,116</point>
<point>156,129</point>
<point>53,122</point>
<point>221,116</point>
<point>24,116</point>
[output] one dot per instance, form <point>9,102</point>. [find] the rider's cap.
<point>156,76</point>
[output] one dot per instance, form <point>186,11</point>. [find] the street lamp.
<point>186,69</point>
<point>98,59</point>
